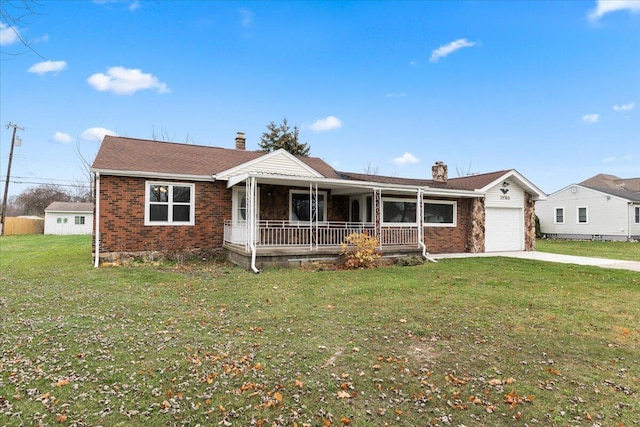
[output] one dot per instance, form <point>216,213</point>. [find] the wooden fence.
<point>14,226</point>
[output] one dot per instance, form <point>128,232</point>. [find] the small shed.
<point>66,218</point>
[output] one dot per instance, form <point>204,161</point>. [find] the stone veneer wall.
<point>122,229</point>
<point>529,223</point>
<point>477,228</point>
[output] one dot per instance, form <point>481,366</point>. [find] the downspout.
<point>252,221</point>
<point>629,212</point>
<point>425,253</point>
<point>96,262</point>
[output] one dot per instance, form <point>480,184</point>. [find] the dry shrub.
<point>360,250</point>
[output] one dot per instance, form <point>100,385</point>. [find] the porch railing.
<point>330,233</point>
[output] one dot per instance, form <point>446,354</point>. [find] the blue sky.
<point>551,89</point>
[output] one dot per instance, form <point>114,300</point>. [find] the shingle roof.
<point>131,155</point>
<point>610,184</point>
<point>471,182</point>
<point>69,207</point>
<point>141,155</point>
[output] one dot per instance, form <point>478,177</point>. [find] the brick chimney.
<point>439,172</point>
<point>241,142</point>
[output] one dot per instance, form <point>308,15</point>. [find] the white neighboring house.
<point>68,218</point>
<point>603,207</point>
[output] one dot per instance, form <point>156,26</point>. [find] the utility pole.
<point>6,183</point>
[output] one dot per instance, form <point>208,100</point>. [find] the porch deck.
<point>288,244</point>
<point>295,256</point>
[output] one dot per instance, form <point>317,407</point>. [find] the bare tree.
<point>164,136</point>
<point>13,15</point>
<point>370,169</point>
<point>461,172</point>
<point>34,200</point>
<point>84,190</point>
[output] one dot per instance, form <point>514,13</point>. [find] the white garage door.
<point>504,230</point>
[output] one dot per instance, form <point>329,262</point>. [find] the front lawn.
<point>475,342</point>
<point>629,251</point>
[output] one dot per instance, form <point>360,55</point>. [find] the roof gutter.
<point>369,185</point>
<point>158,175</point>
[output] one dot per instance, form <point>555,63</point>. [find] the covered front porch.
<point>280,220</point>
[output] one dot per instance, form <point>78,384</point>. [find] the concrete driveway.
<point>544,256</point>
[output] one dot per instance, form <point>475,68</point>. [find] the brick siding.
<point>122,229</point>
<point>440,240</point>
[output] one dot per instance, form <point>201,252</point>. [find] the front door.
<point>239,216</point>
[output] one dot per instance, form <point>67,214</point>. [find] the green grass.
<point>629,251</point>
<point>476,342</point>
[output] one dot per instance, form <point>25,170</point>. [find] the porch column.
<point>420,213</point>
<point>251,222</point>
<point>377,214</point>
<point>313,215</point>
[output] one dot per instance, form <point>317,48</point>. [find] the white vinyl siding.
<point>504,222</point>
<point>607,215</point>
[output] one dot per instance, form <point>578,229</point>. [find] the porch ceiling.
<point>347,187</point>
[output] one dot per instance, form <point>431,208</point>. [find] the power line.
<point>51,183</point>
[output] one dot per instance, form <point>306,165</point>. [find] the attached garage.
<point>504,217</point>
<point>504,229</point>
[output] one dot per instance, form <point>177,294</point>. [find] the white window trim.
<point>398,224</point>
<point>442,202</point>
<point>307,192</point>
<point>636,214</point>
<point>555,215</point>
<point>586,211</point>
<point>147,203</point>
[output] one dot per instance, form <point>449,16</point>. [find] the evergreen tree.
<point>281,136</point>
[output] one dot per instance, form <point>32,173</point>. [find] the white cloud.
<point>246,17</point>
<point>326,124</point>
<point>132,6</point>
<point>625,107</point>
<point>8,35</point>
<point>395,95</point>
<point>617,159</point>
<point>405,159</point>
<point>97,134</point>
<point>47,67</point>
<point>590,118</point>
<point>62,137</point>
<point>447,49</point>
<point>126,81</point>
<point>607,6</point>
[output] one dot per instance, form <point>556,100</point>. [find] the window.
<point>440,213</point>
<point>59,220</point>
<point>169,204</point>
<point>301,203</point>
<point>399,211</point>
<point>582,215</point>
<point>637,214</point>
<point>559,216</point>
<point>79,220</point>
